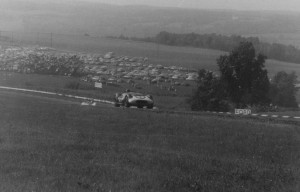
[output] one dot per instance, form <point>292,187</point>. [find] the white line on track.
<point>51,93</point>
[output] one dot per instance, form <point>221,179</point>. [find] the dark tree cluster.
<point>243,82</point>
<point>276,51</point>
<point>283,90</point>
<point>227,43</point>
<point>244,76</point>
<point>210,94</point>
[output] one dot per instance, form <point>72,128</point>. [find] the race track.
<point>78,100</point>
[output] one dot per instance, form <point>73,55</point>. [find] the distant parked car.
<point>177,83</point>
<point>112,79</point>
<point>88,103</point>
<point>129,99</point>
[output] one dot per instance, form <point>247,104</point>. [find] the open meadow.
<point>48,145</point>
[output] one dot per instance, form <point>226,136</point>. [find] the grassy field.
<point>163,98</point>
<point>193,58</point>
<point>54,146</point>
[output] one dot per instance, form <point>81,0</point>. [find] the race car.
<point>129,99</point>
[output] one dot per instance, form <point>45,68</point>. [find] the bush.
<point>262,108</point>
<point>72,85</point>
<point>86,86</point>
<point>210,94</point>
<point>283,91</point>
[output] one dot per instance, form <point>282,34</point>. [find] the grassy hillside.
<point>57,146</point>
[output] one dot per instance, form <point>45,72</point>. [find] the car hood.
<point>134,97</point>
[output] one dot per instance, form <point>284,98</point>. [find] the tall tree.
<point>244,75</point>
<point>283,90</point>
<point>210,94</point>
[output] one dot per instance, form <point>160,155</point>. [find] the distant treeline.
<point>275,51</point>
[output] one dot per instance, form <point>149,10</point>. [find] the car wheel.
<point>117,104</point>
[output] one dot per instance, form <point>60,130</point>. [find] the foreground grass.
<point>50,146</point>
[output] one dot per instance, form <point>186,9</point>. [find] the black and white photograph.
<point>149,96</point>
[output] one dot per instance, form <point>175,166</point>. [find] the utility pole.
<point>12,37</point>
<point>38,38</point>
<point>51,39</point>
<point>157,49</point>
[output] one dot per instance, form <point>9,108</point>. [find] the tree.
<point>283,90</point>
<point>210,94</point>
<point>244,76</point>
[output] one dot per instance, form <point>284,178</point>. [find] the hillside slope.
<point>49,148</point>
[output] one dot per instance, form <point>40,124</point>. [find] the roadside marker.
<point>254,114</point>
<point>285,116</point>
<point>296,117</point>
<point>264,115</point>
<point>274,115</point>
